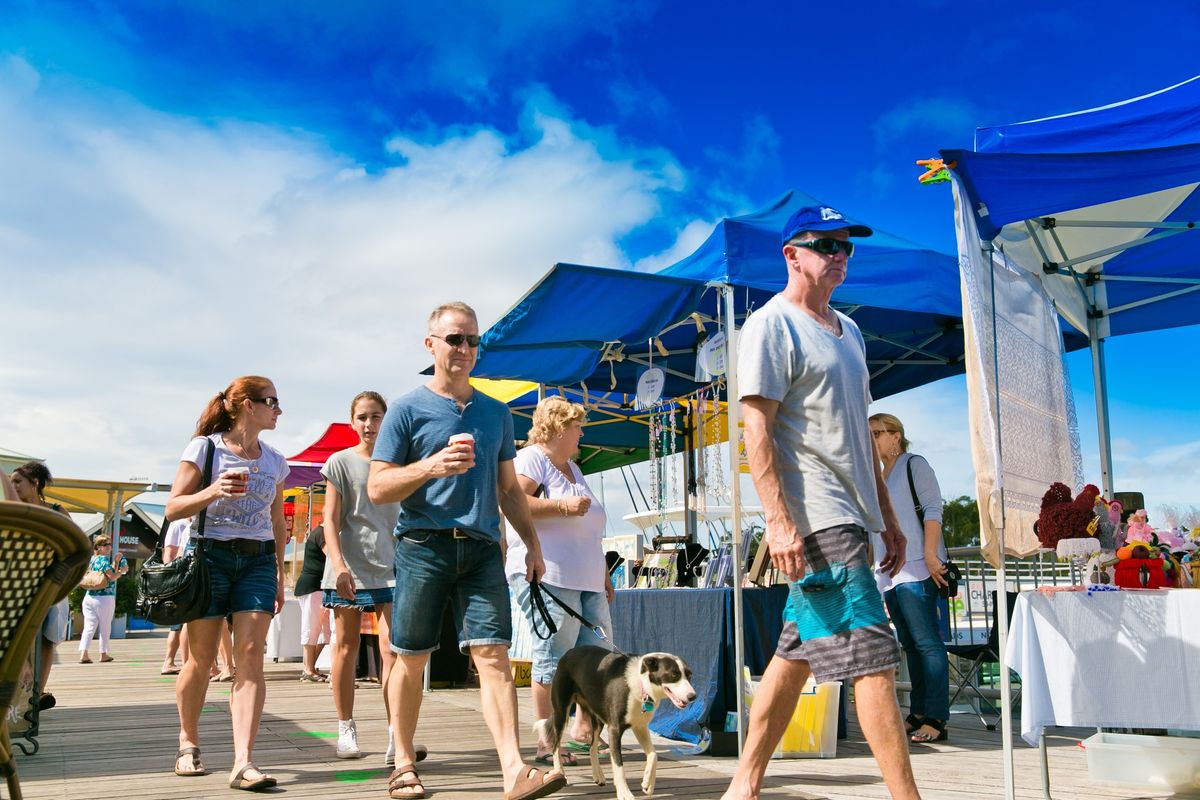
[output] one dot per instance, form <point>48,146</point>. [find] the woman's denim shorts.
<point>239,582</point>
<point>593,606</point>
<point>364,599</point>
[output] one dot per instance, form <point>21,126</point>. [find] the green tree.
<point>960,522</point>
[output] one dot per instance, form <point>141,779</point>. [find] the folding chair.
<point>43,555</point>
<point>978,655</point>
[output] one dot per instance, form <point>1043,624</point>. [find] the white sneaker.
<point>389,758</point>
<point>347,745</point>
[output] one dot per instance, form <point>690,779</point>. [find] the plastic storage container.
<point>812,730</point>
<point>1158,761</point>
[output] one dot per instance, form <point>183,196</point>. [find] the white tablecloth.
<point>1111,659</point>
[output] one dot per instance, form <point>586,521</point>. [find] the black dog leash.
<point>536,590</point>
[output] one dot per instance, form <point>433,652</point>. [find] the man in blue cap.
<point>804,391</point>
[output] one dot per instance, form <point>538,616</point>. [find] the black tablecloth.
<point>697,625</point>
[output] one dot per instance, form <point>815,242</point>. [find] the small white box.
<point>628,546</point>
<point>1163,762</point>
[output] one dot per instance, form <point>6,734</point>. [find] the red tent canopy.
<point>337,436</point>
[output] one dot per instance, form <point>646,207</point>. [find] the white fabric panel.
<point>1030,395</point>
<point>1080,657</point>
<point>1077,242</point>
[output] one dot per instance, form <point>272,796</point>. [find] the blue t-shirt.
<point>102,564</point>
<point>419,424</point>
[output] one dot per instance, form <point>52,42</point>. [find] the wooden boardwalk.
<point>113,735</point>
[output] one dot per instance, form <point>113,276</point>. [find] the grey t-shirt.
<point>365,529</point>
<point>823,444</point>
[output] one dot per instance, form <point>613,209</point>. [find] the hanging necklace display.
<point>669,441</point>
<point>713,469</point>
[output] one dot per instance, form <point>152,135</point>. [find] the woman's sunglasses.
<point>269,402</point>
<point>457,339</point>
<point>827,247</point>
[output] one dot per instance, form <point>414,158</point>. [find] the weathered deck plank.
<point>114,731</point>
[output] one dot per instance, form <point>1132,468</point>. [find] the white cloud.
<point>694,234</point>
<point>150,258</point>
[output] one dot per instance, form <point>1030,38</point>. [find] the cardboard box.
<point>522,671</point>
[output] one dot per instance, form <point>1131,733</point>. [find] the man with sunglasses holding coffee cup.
<point>804,391</point>
<point>445,453</point>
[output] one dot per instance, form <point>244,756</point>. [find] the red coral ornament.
<point>1063,517</point>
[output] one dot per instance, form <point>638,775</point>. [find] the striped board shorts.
<point>834,617</point>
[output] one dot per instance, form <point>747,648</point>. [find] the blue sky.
<point>199,190</point>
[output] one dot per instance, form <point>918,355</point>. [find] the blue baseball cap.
<point>820,218</point>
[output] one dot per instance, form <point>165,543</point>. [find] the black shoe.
<point>45,701</point>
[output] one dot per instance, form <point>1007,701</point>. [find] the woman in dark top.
<point>314,620</point>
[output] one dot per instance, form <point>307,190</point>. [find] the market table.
<point>1116,659</point>
<point>697,625</point>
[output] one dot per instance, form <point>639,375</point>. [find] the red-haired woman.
<point>245,536</point>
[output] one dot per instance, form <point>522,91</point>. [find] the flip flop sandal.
<point>172,671</point>
<point>547,760</point>
<point>938,725</point>
<point>197,766</point>
<point>397,785</point>
<point>239,780</point>
<point>577,746</point>
<point>533,783</point>
<point>911,723</point>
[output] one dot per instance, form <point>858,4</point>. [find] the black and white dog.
<point>620,691</point>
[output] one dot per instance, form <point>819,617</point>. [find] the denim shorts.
<point>239,582</point>
<point>435,568</point>
<point>593,606</point>
<point>364,599</point>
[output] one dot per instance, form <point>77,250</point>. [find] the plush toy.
<point>1145,565</point>
<point>1104,525</point>
<point>1138,530</point>
<point>1062,517</point>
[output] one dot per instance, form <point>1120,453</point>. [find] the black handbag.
<point>953,575</point>
<point>178,591</point>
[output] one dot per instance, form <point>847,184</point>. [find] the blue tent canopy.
<point>603,327</point>
<point>1104,202</point>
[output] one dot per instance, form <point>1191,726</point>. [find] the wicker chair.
<point>43,555</point>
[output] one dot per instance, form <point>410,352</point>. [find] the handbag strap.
<point>912,487</point>
<point>208,465</point>
<point>207,479</point>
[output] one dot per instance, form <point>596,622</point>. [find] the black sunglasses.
<point>457,339</point>
<point>827,247</point>
<point>269,402</point>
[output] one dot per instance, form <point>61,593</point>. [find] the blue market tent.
<point>1102,204</point>
<point>602,327</point>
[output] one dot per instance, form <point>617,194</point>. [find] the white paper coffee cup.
<point>463,438</point>
<point>243,475</point>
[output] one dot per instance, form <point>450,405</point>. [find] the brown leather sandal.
<point>197,766</point>
<point>533,783</point>
<point>397,784</point>
<point>240,781</point>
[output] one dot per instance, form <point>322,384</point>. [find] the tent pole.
<point>732,417</point>
<point>1100,384</point>
<point>1001,609</point>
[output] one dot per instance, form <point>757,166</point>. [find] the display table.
<point>1128,659</point>
<point>697,625</point>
